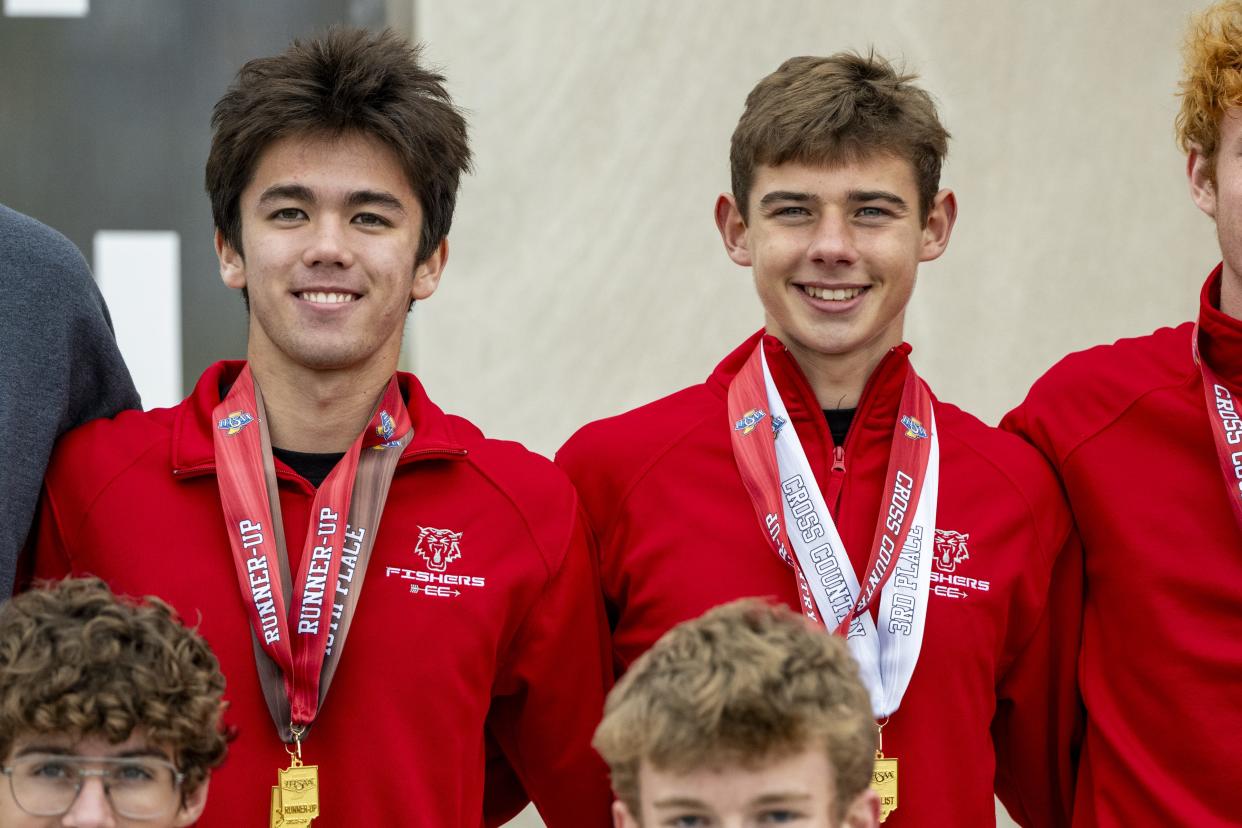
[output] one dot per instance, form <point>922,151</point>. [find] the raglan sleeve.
<point>1037,728</point>
<point>552,686</point>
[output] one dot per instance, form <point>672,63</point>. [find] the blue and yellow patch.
<point>235,422</point>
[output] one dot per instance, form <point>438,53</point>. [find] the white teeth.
<point>327,298</point>
<point>837,295</point>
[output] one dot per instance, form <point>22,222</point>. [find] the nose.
<point>833,242</point>
<point>91,809</point>
<point>328,245</point>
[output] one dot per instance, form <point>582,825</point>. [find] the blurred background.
<point>586,275</point>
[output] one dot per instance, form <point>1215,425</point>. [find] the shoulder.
<point>1088,390</point>
<point>607,457</point>
<point>1002,464</point>
<point>38,259</point>
<point>539,491</point>
<point>93,456</point>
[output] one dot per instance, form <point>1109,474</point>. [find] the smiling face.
<point>796,790</point>
<point>330,229</point>
<point>91,808</point>
<point>834,250</point>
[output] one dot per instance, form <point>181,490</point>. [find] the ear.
<point>232,266</point>
<point>192,809</point>
<point>864,811</point>
<point>732,229</point>
<point>939,226</point>
<point>427,273</point>
<point>1199,172</point>
<point>621,816</point>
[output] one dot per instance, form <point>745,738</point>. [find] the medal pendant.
<point>884,783</point>
<point>299,793</point>
<point>277,819</point>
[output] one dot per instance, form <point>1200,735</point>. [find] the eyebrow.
<point>856,196</point>
<point>376,198</point>
<point>292,192</point>
<point>358,198</point>
<point>680,802</point>
<point>788,195</point>
<point>62,750</point>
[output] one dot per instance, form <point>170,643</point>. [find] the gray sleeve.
<point>59,366</point>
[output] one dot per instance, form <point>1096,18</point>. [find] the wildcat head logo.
<point>950,549</point>
<point>439,547</point>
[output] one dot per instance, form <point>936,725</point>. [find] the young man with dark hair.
<point>747,715</point>
<point>256,504</point>
<point>1145,434</point>
<point>110,711</point>
<point>815,460</point>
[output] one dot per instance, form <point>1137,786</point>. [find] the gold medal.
<point>884,782</point>
<point>299,793</point>
<point>295,800</point>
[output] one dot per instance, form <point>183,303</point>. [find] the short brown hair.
<point>347,81</point>
<point>832,110</point>
<point>1212,76</point>
<point>745,683</point>
<point>77,660</point>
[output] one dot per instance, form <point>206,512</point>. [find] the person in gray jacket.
<point>59,366</point>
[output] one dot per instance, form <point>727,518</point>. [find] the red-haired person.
<point>110,711</point>
<point>373,665</point>
<point>816,466</point>
<point>1146,436</point>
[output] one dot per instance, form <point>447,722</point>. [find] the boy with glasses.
<point>109,711</point>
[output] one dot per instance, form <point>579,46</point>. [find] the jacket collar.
<point>1220,335</point>
<point>193,448</point>
<point>877,407</point>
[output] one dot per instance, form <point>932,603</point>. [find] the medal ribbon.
<point>786,496</point>
<point>299,637</point>
<point>1223,414</point>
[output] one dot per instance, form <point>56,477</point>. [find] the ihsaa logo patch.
<point>749,420</point>
<point>914,429</point>
<point>235,422</point>
<point>385,430</point>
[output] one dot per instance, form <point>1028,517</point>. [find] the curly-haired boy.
<point>109,711</point>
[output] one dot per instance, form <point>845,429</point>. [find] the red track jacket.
<point>678,535</point>
<point>1161,667</point>
<point>520,650</point>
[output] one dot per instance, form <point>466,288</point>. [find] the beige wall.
<point>586,276</point>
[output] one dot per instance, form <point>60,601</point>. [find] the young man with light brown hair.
<point>110,711</point>
<point>816,466</point>
<point>748,715</point>
<point>1145,434</point>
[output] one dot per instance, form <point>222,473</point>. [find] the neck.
<point>317,412</point>
<point>1230,292</point>
<point>837,379</point>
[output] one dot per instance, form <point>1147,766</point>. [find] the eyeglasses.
<point>138,788</point>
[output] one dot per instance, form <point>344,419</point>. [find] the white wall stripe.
<point>47,8</point>
<point>139,273</point>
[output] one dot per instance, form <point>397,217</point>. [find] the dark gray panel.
<point>104,124</point>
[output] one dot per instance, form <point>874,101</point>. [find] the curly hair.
<point>745,683</point>
<point>1212,76</point>
<point>77,660</point>
<point>831,110</point>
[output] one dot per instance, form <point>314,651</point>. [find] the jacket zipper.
<point>838,459</point>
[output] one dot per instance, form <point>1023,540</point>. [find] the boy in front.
<point>747,716</point>
<point>814,459</point>
<point>109,711</point>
